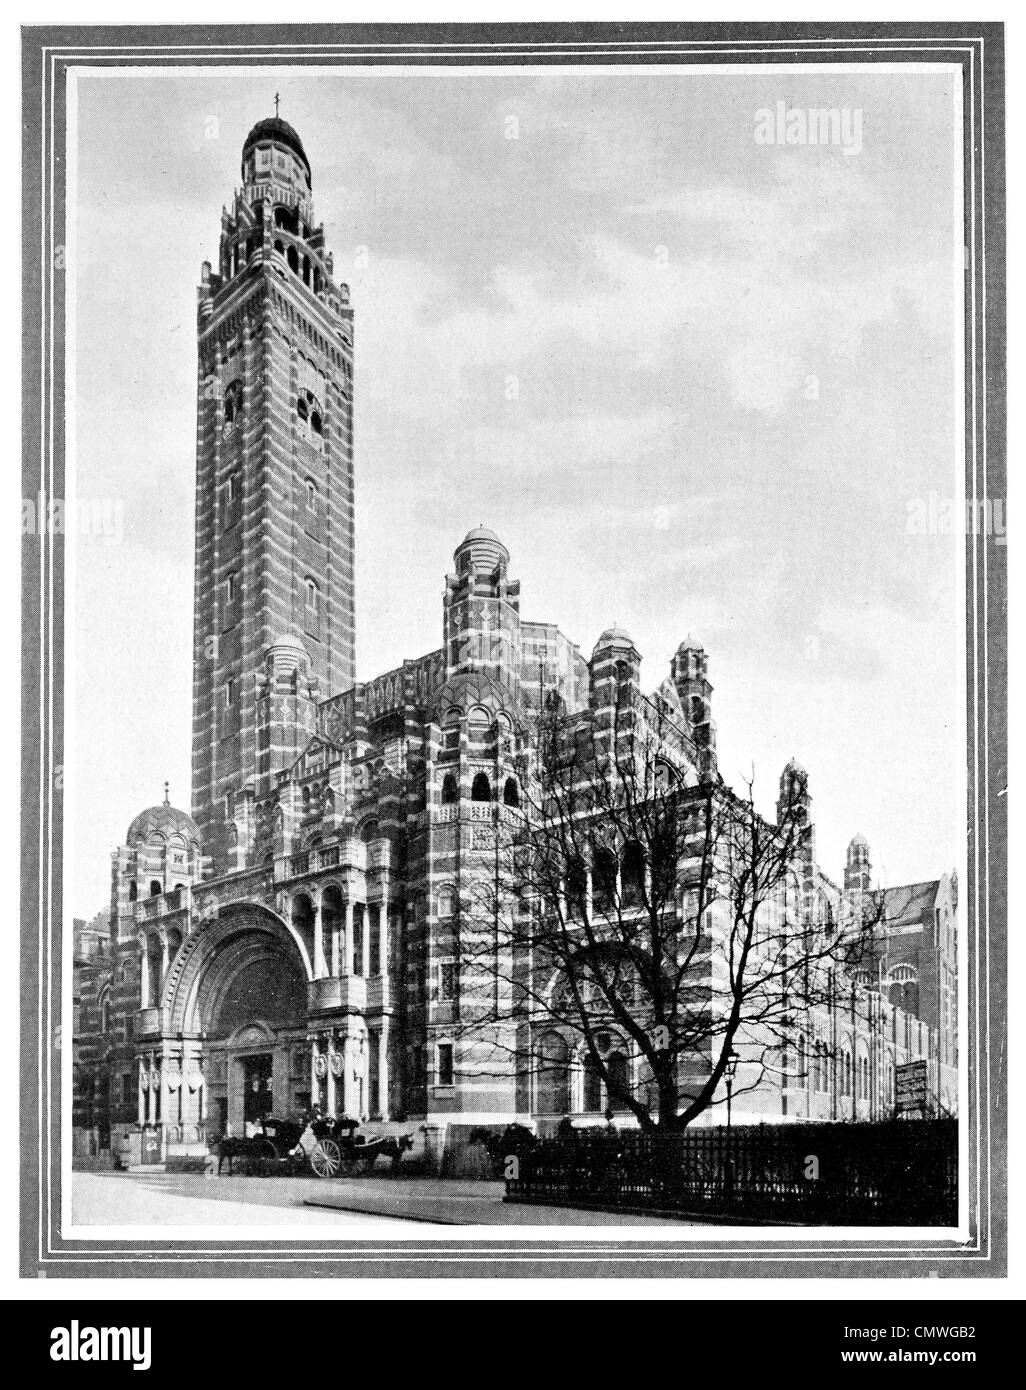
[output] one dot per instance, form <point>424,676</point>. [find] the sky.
<point>697,384</point>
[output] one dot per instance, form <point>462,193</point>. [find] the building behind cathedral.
<point>290,940</point>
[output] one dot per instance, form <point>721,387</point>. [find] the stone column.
<point>383,1108</point>
<point>336,932</point>
<point>144,973</point>
<point>315,1050</point>
<point>332,1044</point>
<point>361,1050</point>
<point>143,1090</point>
<point>151,1094</point>
<point>163,955</point>
<point>347,941</point>
<point>365,942</point>
<point>383,934</point>
<point>576,1082</point>
<point>320,964</point>
<point>344,1091</point>
<point>188,1101</point>
<point>164,1094</point>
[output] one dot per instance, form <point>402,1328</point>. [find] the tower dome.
<point>480,548</point>
<point>615,637</point>
<point>164,820</point>
<point>281,133</point>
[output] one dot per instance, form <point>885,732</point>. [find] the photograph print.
<point>520,529</point>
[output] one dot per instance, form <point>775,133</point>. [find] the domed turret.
<point>614,637</point>
<point>162,821</point>
<point>276,131</point>
<point>481,611</point>
<point>480,549</point>
<point>161,852</point>
<point>858,870</point>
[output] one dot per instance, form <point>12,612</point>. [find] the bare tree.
<point>634,898</point>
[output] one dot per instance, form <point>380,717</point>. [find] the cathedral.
<point>290,940</point>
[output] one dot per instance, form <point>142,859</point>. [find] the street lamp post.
<point>730,1068</point>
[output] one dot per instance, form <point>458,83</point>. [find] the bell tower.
<point>274,469</point>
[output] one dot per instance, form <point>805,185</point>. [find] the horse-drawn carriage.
<point>330,1145</point>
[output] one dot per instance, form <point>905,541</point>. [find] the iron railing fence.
<point>894,1173</point>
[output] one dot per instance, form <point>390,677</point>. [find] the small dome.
<point>480,547</point>
<point>481,533</point>
<point>474,688</point>
<point>795,766</point>
<point>163,820</point>
<point>691,644</point>
<point>858,841</point>
<point>615,637</point>
<point>274,128</point>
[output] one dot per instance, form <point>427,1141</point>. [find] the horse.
<point>230,1148</point>
<point>391,1146</point>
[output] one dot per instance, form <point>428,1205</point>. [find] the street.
<point>181,1199</point>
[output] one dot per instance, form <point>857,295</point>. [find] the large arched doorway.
<point>243,992</point>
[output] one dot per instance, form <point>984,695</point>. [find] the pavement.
<point>186,1199</point>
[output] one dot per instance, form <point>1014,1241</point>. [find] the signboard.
<point>911,1087</point>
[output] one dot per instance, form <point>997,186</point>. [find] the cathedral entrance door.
<point>256,1087</point>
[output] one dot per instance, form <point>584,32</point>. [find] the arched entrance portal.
<point>243,992</point>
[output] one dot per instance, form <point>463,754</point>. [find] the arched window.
<point>481,789</point>
<point>618,1068</point>
<point>153,970</point>
<point>313,599</point>
<point>450,791</point>
<point>553,1063</point>
<point>846,1074</point>
<point>800,1079</point>
<point>292,256</point>
<point>232,405</point>
<point>154,887</point>
<point>302,409</point>
<point>311,495</point>
<point>302,916</point>
<point>511,792</point>
<point>133,892</point>
<point>315,422</point>
<point>592,1085</point>
<point>697,709</point>
<point>576,890</point>
<point>105,1012</point>
<point>603,880</point>
<point>632,875</point>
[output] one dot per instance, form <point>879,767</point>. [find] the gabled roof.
<point>315,740</point>
<point>908,904</point>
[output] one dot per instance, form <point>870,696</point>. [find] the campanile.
<point>274,470</point>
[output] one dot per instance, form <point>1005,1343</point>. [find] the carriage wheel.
<point>326,1159</point>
